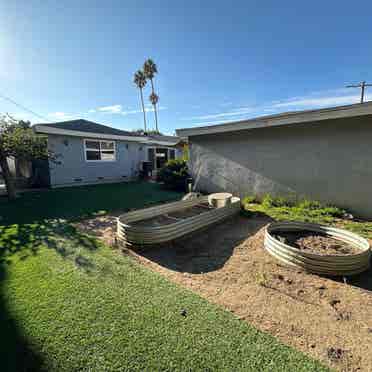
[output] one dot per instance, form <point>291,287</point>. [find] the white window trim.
<point>98,150</point>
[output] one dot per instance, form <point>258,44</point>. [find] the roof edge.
<point>45,129</point>
<point>338,112</point>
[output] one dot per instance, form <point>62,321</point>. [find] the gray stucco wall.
<point>330,161</point>
<point>73,165</point>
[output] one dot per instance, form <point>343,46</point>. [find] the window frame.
<point>100,150</point>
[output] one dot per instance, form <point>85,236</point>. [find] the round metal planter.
<point>333,265</point>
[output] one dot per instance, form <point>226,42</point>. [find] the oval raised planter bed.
<point>335,265</point>
<point>128,232</point>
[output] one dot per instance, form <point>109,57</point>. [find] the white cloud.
<point>59,115</point>
<point>118,109</point>
<point>203,123</point>
<point>114,109</point>
<point>313,102</point>
<point>237,112</point>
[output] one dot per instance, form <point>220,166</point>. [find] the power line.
<point>23,107</point>
<point>361,85</point>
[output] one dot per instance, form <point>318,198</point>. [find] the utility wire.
<point>23,107</point>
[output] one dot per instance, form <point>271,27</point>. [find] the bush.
<point>268,201</point>
<point>249,199</point>
<point>174,174</point>
<point>309,204</point>
<point>283,209</point>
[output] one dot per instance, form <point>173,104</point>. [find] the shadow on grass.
<point>24,241</point>
<point>15,351</point>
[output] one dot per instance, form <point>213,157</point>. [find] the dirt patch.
<point>316,243</point>
<point>172,217</point>
<point>226,264</point>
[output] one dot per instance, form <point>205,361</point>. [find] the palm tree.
<point>140,81</point>
<point>150,69</point>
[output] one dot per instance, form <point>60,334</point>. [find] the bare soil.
<point>316,243</point>
<point>172,217</point>
<point>227,264</point>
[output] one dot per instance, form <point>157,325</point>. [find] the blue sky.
<point>218,61</point>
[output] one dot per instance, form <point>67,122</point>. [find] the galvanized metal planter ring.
<point>334,265</point>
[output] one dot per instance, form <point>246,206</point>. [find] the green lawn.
<point>79,202</point>
<point>68,303</point>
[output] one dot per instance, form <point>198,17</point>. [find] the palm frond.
<point>154,98</point>
<point>150,68</point>
<point>140,79</point>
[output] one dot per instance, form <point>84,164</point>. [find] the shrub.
<point>309,204</point>
<point>268,201</point>
<point>174,174</point>
<point>249,199</point>
<point>283,209</point>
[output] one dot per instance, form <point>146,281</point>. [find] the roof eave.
<point>281,119</point>
<point>44,129</point>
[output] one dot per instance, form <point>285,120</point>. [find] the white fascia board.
<point>281,119</point>
<point>161,143</point>
<point>49,130</point>
<point>64,132</point>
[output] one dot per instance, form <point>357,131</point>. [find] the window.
<point>158,156</point>
<point>99,150</point>
<point>161,157</point>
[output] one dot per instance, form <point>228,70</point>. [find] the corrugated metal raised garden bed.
<point>172,220</point>
<point>348,254</point>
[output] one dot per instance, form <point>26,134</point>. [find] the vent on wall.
<point>78,179</point>
<point>101,178</point>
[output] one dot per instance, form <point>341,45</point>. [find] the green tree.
<point>18,140</point>
<point>140,81</point>
<point>149,132</point>
<point>150,69</point>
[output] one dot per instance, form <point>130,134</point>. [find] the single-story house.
<point>90,153</point>
<point>323,154</point>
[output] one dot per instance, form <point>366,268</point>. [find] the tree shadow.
<point>26,240</point>
<point>205,250</point>
<point>16,352</point>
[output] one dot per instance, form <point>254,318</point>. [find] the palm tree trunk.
<point>143,109</point>
<point>8,178</point>
<point>155,109</point>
